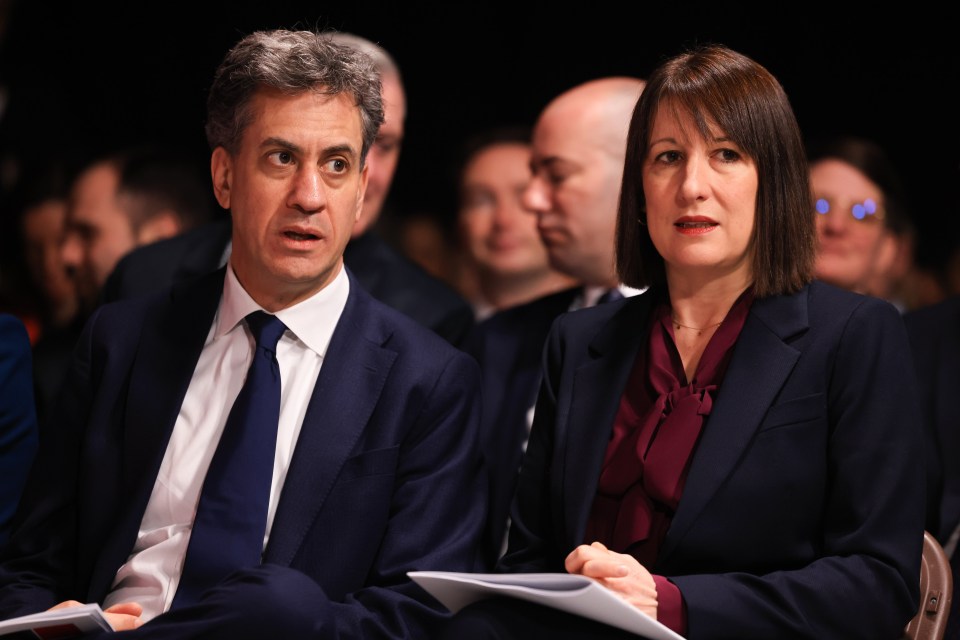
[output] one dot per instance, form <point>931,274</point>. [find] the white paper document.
<point>59,623</point>
<point>567,592</point>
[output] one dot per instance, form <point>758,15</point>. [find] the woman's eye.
<point>668,157</point>
<point>729,155</point>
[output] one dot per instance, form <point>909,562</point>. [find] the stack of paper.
<point>54,624</point>
<point>567,592</point>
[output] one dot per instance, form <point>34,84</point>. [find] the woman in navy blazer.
<point>737,452</point>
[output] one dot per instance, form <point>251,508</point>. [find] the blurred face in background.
<point>579,145</point>
<point>43,229</point>
<point>384,154</point>
<point>98,231</point>
<point>854,245</point>
<point>499,234</point>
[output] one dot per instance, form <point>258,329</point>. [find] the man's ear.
<point>162,225</point>
<point>221,170</point>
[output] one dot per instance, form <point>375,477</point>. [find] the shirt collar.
<point>312,321</point>
<point>590,294</point>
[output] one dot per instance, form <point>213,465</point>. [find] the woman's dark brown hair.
<point>719,87</point>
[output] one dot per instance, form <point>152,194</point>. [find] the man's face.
<point>574,191</point>
<point>499,234</point>
<point>295,190</point>
<point>384,154</point>
<point>98,231</point>
<point>43,233</point>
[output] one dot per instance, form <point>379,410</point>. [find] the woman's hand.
<point>619,572</point>
<point>122,617</point>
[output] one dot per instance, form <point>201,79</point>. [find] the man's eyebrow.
<point>281,142</point>
<point>292,146</point>
<point>546,162</point>
<point>341,148</point>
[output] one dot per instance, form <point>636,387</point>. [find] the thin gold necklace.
<point>699,330</point>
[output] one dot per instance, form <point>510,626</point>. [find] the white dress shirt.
<point>152,571</point>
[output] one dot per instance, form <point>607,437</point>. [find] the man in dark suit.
<point>578,152</point>
<point>380,269</point>
<point>376,470</point>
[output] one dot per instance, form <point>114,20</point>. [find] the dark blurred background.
<point>81,76</point>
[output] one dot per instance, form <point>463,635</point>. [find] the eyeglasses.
<point>862,211</point>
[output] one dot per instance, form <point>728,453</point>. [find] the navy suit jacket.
<point>387,275</point>
<point>18,417</point>
<point>802,514</point>
<point>385,477</point>
<point>509,347</point>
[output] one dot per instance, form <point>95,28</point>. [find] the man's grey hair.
<point>292,62</point>
<point>382,60</point>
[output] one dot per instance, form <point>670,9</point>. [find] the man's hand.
<point>619,572</point>
<point>122,617</point>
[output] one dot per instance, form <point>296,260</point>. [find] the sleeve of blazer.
<point>35,566</point>
<point>18,420</point>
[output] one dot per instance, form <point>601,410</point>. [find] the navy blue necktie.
<point>232,512</point>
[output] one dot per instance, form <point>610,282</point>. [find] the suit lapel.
<point>351,379</point>
<point>159,378</point>
<point>761,363</point>
<point>595,398</point>
<point>161,374</point>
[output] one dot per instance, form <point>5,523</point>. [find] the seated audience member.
<point>119,201</point>
<point>577,161</point>
<point>40,203</point>
<point>41,206</point>
<point>712,449</point>
<point>379,268</point>
<point>264,451</point>
<point>865,235</point>
<point>18,418</point>
<point>499,237</point>
<point>124,200</point>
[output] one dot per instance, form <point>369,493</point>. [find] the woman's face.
<point>701,199</point>
<point>853,243</point>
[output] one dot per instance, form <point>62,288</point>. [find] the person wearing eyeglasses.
<point>865,235</point>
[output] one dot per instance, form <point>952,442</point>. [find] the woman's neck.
<point>703,302</point>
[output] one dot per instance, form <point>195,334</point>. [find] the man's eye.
<point>281,157</point>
